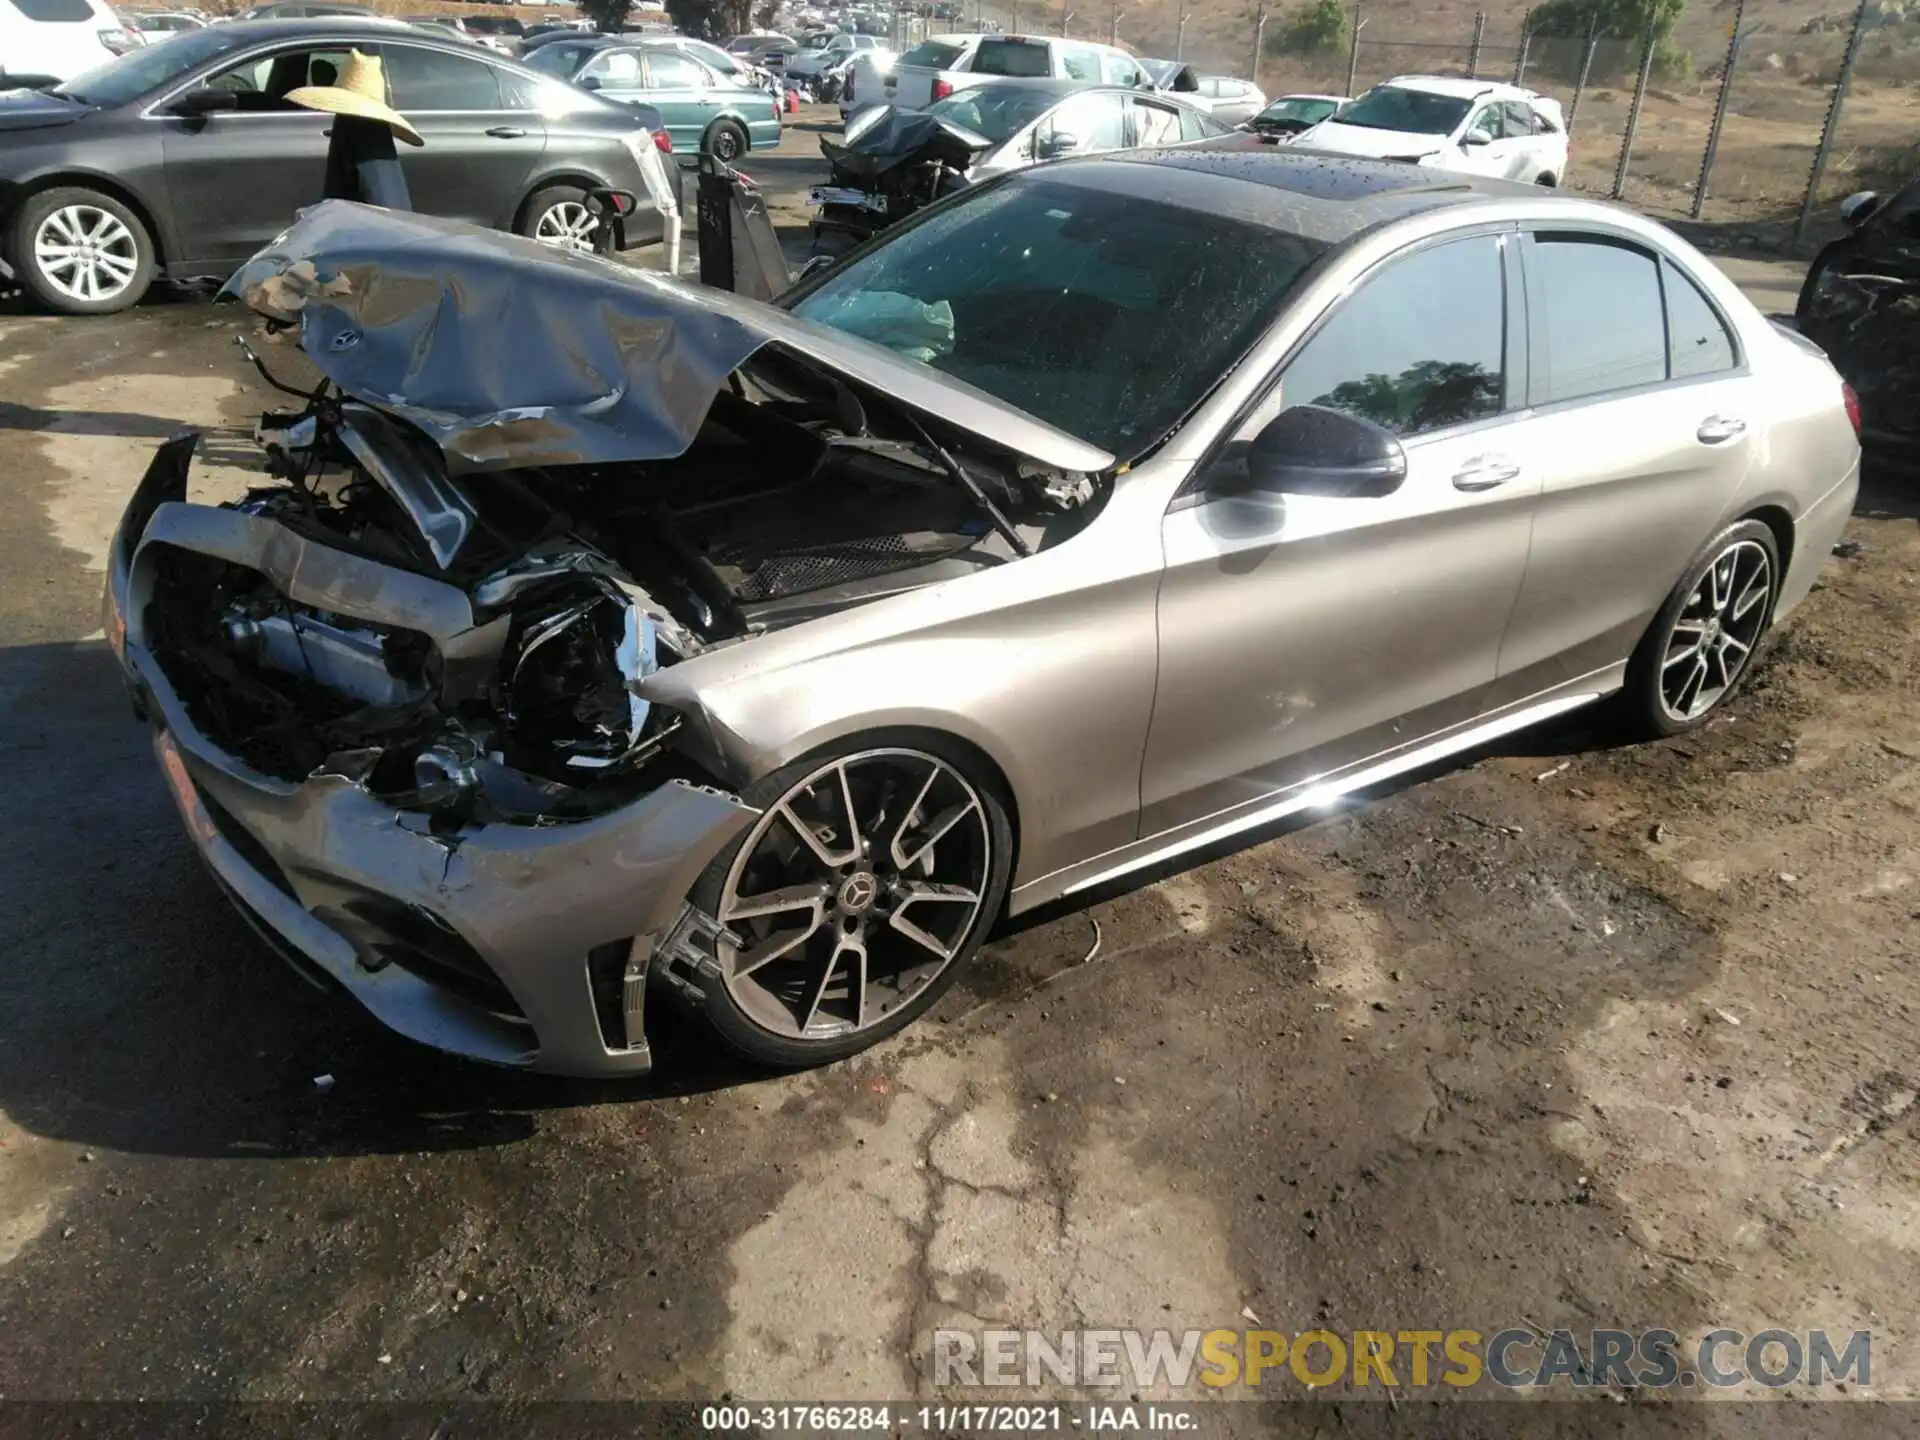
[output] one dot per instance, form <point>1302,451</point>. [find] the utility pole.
<point>1065,17</point>
<point>1180,34</point>
<point>1259,36</point>
<point>1113,26</point>
<point>1353,55</point>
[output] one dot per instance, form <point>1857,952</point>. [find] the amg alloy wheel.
<point>850,904</point>
<point>1702,642</point>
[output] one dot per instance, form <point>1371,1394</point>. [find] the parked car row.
<point>181,158</point>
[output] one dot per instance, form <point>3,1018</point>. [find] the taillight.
<point>1852,402</point>
<point>663,142</point>
<point>942,89</point>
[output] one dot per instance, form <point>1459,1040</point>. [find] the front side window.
<point>1486,122</point>
<point>260,85</point>
<point>613,67</point>
<point>675,72</point>
<point>1122,71</point>
<point>422,80</point>
<point>1598,319</point>
<point>1080,63</point>
<point>1083,125</point>
<point>1421,346</point>
<point>1107,315</point>
<point>1155,124</point>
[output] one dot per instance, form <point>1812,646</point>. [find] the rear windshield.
<point>1109,316</point>
<point>1022,58</point>
<point>932,54</point>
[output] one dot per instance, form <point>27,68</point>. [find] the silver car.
<point>762,658</point>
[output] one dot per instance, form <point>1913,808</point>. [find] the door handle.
<point>507,132</point>
<point>1718,429</point>
<point>1483,472</point>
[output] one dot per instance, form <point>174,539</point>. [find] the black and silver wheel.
<point>81,252</point>
<point>1700,645</point>
<point>872,874</point>
<point>559,216</point>
<point>725,140</point>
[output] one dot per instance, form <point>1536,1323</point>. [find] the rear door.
<point>237,177</point>
<point>677,87</point>
<point>481,152</point>
<point>1644,426</point>
<point>1300,634</point>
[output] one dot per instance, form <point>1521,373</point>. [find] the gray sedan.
<point>1034,120</point>
<point>762,658</point>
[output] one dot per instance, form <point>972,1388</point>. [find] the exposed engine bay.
<point>804,492</point>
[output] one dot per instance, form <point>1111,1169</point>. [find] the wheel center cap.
<point>1712,632</point>
<point>858,892</point>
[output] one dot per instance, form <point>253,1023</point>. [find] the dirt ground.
<point>1575,1035</point>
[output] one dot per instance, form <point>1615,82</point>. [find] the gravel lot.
<point>1574,1035</point>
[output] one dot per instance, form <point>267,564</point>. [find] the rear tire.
<point>725,141</point>
<point>79,252</point>
<point>1546,179</point>
<point>904,874</point>
<point>1700,646</point>
<point>558,215</point>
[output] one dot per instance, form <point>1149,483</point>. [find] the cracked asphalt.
<point>1570,1035</point>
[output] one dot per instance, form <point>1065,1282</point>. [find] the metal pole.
<point>1353,55</point>
<point>1259,35</point>
<point>1479,34</point>
<point>1719,110</point>
<point>1586,67</point>
<point>1113,27</point>
<point>1526,41</point>
<point>1180,37</point>
<point>1827,131</point>
<point>1633,114</point>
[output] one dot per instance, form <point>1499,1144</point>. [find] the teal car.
<point>704,111</point>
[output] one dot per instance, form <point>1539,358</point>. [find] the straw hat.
<point>360,90</point>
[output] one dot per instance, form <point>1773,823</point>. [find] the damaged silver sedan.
<point>600,639</point>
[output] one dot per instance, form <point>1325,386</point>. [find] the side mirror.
<point>1473,139</point>
<point>1055,144</point>
<point>1312,450</point>
<point>206,101</point>
<point>589,82</point>
<point>1859,208</point>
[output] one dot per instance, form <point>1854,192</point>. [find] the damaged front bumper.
<point>522,945</point>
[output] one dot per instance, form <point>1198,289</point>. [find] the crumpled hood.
<point>886,138</point>
<point>22,109</point>
<point>509,353</point>
<point>1337,139</point>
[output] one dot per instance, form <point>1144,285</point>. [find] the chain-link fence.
<point>1745,113</point>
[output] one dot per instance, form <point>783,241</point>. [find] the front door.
<point>1305,633</point>
<point>1485,150</point>
<point>482,143</point>
<point>238,176</point>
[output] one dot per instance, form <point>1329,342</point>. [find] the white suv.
<point>47,40</point>
<point>1478,126</point>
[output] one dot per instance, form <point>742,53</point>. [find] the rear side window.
<point>1520,118</point>
<point>1598,320</point>
<point>932,54</point>
<point>1019,58</point>
<point>1697,338</point>
<point>434,80</point>
<point>54,10</point>
<point>1421,346</point>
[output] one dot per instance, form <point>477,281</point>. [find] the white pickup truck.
<point>936,67</point>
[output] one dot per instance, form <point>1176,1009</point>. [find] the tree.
<point>708,19</point>
<point>1311,30</point>
<point>609,15</point>
<point>1617,20</point>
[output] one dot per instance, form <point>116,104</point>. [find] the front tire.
<point>725,141</point>
<point>874,872</point>
<point>1701,644</point>
<point>80,252</point>
<point>1547,180</point>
